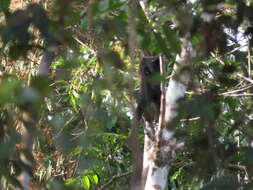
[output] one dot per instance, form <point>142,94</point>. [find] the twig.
<point>236,95</point>
<point>163,98</point>
<point>78,40</point>
<point>236,49</point>
<point>245,78</point>
<point>145,10</point>
<point>190,119</point>
<point>238,90</point>
<point>249,61</point>
<point>113,179</point>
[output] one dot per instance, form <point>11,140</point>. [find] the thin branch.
<point>245,78</point>
<point>163,95</point>
<point>143,5</point>
<point>236,95</point>
<point>114,178</point>
<point>236,49</point>
<point>190,119</point>
<point>78,40</point>
<point>238,90</point>
<point>249,61</point>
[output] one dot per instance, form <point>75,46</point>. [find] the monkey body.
<point>150,99</point>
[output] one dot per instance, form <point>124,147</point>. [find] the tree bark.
<point>162,148</point>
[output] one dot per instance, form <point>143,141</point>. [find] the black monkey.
<point>149,101</point>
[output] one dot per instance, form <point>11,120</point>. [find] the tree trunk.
<point>161,147</point>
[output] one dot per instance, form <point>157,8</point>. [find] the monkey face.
<point>149,66</point>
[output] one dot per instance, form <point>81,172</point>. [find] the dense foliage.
<point>80,117</point>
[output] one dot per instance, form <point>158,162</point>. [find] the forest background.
<point>69,127</point>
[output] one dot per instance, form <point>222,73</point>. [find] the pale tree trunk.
<point>160,147</point>
<point>160,144</point>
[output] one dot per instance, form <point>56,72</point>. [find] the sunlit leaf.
<point>86,182</point>
<point>94,179</point>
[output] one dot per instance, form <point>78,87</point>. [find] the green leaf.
<point>86,182</point>
<point>73,101</point>
<point>75,94</point>
<point>94,179</point>
<point>177,174</point>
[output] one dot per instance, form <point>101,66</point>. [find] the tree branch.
<point>163,95</point>
<point>103,187</point>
